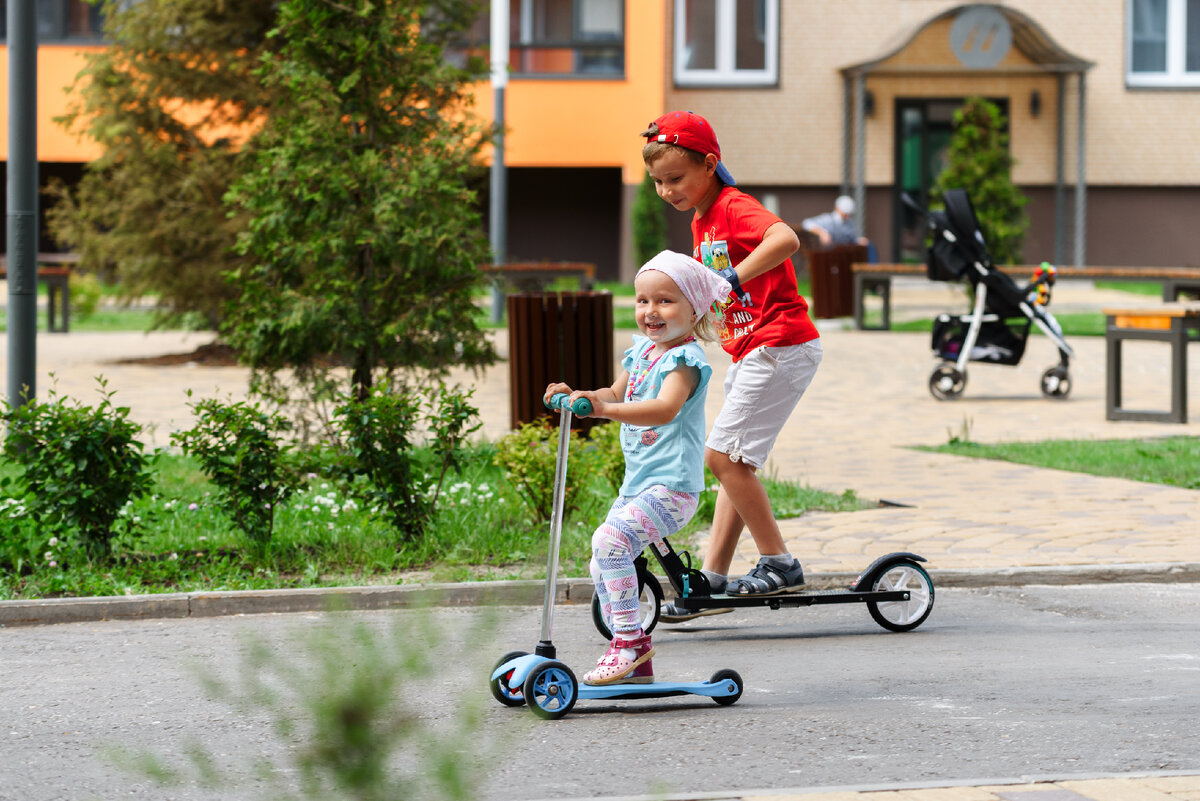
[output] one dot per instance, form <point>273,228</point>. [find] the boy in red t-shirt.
<point>775,346</point>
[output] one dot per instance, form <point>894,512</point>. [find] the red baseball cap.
<point>690,130</point>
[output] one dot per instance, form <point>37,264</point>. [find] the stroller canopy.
<point>957,241</point>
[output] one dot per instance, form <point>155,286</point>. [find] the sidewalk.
<point>1138,787</point>
<point>853,430</point>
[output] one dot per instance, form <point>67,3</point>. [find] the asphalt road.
<point>1001,682</point>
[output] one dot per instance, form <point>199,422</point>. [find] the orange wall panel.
<point>57,66</point>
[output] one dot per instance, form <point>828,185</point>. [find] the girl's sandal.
<point>613,668</point>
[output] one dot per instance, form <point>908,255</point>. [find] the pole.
<point>22,202</point>
<point>498,233</point>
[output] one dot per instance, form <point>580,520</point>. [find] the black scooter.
<point>895,588</point>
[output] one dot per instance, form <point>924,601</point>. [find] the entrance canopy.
<point>965,42</point>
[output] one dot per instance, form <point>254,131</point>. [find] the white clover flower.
<point>53,541</point>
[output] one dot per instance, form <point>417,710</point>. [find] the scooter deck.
<point>520,668</point>
<point>658,689</point>
<point>800,598</point>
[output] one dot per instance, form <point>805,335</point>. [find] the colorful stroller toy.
<point>996,329</point>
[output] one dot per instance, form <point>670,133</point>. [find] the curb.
<point>1018,783</point>
<point>504,593</point>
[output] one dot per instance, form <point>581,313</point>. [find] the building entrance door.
<point>923,129</point>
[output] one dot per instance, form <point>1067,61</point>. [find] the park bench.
<point>54,270</point>
<point>1168,323</point>
<point>877,278</point>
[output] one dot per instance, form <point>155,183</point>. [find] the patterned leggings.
<point>631,525</point>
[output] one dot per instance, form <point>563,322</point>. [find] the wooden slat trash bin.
<point>557,336</point>
<point>829,270</point>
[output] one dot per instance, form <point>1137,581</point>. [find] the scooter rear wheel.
<point>650,600</point>
<point>730,675</point>
<point>902,574</point>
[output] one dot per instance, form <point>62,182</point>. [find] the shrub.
<point>80,466</point>
<point>528,456</point>
<point>239,449</point>
<point>385,466</point>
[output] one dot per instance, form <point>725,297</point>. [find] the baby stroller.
<point>996,329</point>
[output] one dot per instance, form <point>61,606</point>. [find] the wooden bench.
<point>535,276</point>
<point>54,270</point>
<point>877,278</point>
<point>1166,323</point>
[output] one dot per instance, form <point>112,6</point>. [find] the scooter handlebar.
<point>581,406</point>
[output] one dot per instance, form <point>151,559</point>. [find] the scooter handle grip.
<point>581,406</point>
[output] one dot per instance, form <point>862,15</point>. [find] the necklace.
<point>637,376</point>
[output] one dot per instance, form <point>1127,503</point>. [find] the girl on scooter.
<point>659,401</point>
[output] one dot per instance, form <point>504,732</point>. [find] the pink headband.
<point>701,286</point>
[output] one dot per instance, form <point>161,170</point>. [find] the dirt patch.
<point>213,354</point>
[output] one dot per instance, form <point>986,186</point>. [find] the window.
<point>558,38</point>
<point>726,42</point>
<point>1163,43</point>
<point>59,20</point>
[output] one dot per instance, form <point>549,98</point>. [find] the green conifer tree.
<point>171,101</point>
<point>978,160</point>
<point>363,239</point>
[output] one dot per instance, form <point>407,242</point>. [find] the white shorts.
<point>761,391</point>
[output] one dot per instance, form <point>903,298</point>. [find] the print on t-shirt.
<point>715,255</point>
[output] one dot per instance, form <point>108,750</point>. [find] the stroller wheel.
<point>947,382</point>
<point>1056,383</point>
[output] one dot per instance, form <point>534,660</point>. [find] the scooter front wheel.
<point>650,600</point>
<point>551,690</point>
<point>499,686</point>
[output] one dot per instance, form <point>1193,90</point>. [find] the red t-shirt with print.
<point>778,315</point>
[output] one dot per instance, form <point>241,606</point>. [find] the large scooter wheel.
<point>650,599</point>
<point>1056,383</point>
<point>499,686</point>
<point>902,574</point>
<point>551,690</point>
<point>947,382</point>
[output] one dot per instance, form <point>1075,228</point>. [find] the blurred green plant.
<point>349,704</point>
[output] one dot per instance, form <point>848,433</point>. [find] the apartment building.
<point>812,99</point>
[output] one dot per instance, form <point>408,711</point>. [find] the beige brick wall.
<point>793,134</point>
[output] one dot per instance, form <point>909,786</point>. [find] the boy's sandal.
<point>767,579</point>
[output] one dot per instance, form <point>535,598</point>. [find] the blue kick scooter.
<point>548,686</point>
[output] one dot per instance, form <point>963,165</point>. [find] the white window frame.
<point>1176,74</point>
<point>725,73</point>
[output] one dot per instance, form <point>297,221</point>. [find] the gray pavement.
<point>975,521</point>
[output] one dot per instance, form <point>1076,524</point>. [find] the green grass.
<point>106,319</point>
<point>1136,287</point>
<point>322,537</point>
<point>1082,324</point>
<point>1174,461</point>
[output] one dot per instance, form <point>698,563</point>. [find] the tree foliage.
<point>363,241</point>
<point>170,102</point>
<point>979,161</point>
<point>649,222</point>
